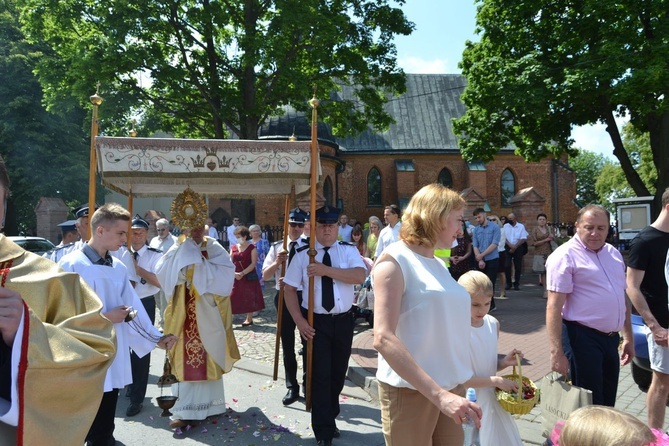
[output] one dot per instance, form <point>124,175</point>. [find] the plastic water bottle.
<point>471,431</point>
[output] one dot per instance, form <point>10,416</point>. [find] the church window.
<point>508,187</point>
<point>374,187</point>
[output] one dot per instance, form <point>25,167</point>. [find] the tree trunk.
<point>658,127</point>
<point>619,151</point>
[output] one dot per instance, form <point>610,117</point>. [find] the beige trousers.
<point>410,419</point>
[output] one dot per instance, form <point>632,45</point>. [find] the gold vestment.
<point>67,347</point>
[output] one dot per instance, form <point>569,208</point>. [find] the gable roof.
<point>423,120</point>
<point>422,117</point>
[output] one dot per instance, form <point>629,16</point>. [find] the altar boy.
<point>109,279</point>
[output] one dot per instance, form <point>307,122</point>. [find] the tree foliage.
<point>544,66</point>
<point>46,154</point>
<point>216,68</point>
<point>588,166</point>
<point>611,183</point>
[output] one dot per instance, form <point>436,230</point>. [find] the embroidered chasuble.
<point>197,282</point>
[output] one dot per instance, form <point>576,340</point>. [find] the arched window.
<point>508,187</point>
<point>374,187</point>
<point>327,191</point>
<point>445,178</point>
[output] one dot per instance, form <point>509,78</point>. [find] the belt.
<point>603,333</point>
<point>332,315</point>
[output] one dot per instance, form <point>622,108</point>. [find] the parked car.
<point>641,372</point>
<point>38,245</point>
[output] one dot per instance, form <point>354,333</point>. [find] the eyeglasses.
<point>298,225</point>
<point>161,230</point>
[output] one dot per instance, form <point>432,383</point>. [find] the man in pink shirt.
<point>585,279</point>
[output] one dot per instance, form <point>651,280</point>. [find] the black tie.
<point>326,284</point>
<point>291,252</point>
<point>135,255</point>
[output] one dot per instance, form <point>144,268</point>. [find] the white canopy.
<point>154,167</point>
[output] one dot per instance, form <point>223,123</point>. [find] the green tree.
<point>213,69</point>
<point>544,66</point>
<point>46,154</point>
<point>588,166</point>
<point>612,183</point>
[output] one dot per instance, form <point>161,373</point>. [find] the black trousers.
<point>141,366</point>
<point>287,335</point>
<point>332,351</point>
<point>491,269</point>
<point>515,259</point>
<point>101,432</point>
<point>595,362</point>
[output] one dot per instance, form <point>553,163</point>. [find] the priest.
<point>197,276</point>
<point>53,339</point>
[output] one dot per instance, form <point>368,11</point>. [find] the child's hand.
<point>510,359</point>
<point>505,384</point>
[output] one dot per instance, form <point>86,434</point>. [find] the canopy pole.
<point>312,239</point>
<point>130,204</point>
<point>279,311</point>
<point>96,100</point>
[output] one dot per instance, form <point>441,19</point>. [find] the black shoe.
<point>292,396</point>
<point>516,286</point>
<point>492,308</point>
<point>337,433</point>
<point>133,409</point>
<point>507,287</point>
<point>324,443</point>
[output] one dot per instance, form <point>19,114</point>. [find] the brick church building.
<point>364,173</point>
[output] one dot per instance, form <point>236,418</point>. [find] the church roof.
<point>422,117</point>
<point>423,120</point>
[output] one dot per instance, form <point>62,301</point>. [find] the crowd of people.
<point>434,276</point>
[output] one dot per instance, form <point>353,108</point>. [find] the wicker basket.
<point>519,406</point>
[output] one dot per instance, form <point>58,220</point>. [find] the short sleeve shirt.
<point>648,251</point>
<point>342,255</point>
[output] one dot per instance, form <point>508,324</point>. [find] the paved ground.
<point>256,415</point>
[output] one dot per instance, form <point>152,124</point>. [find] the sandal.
<point>246,324</point>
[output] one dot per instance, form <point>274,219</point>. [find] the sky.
<point>436,45</point>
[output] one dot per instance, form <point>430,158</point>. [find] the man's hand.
<point>317,269</point>
<point>306,331</point>
<point>281,257</point>
<point>11,309</point>
<point>167,342</point>
<point>559,363</point>
<point>626,352</point>
<point>118,314</point>
<point>661,336</point>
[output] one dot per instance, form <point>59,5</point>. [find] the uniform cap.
<point>67,226</point>
<point>297,215</point>
<point>327,215</point>
<point>139,223</point>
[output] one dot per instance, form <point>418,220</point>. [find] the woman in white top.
<point>422,329</point>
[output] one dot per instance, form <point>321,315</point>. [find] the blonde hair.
<point>604,426</point>
<point>421,221</point>
<point>475,282</point>
<point>109,213</point>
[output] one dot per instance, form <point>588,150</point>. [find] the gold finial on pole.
<point>96,100</point>
<point>292,138</point>
<point>132,131</point>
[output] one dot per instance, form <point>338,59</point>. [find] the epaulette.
<point>280,242</point>
<point>342,242</point>
<point>58,248</point>
<point>302,248</point>
<point>155,249</point>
